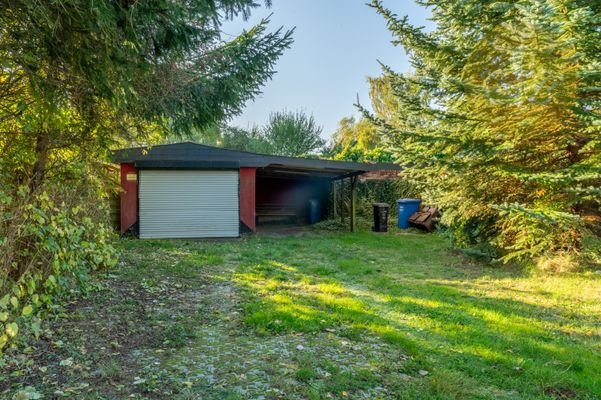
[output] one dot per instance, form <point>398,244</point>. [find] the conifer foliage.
<point>499,123</point>
<point>79,78</point>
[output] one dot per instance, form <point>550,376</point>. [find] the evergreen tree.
<point>499,121</point>
<point>75,74</point>
<point>80,77</point>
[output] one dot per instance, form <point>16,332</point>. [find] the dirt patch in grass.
<point>93,344</point>
<point>560,393</point>
<point>176,332</point>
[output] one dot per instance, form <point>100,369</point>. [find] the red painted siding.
<point>247,197</point>
<point>129,196</point>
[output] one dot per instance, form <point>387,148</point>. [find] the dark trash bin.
<point>314,211</point>
<point>381,217</point>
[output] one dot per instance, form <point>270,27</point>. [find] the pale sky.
<point>337,45</point>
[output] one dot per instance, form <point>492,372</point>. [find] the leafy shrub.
<point>367,193</point>
<point>384,191</point>
<point>47,250</point>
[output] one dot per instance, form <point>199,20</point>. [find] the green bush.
<point>47,250</point>
<point>385,191</point>
<point>367,193</point>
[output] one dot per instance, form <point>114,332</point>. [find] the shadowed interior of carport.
<point>293,196</point>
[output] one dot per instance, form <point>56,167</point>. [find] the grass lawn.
<point>323,315</point>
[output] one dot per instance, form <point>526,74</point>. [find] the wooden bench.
<point>276,210</point>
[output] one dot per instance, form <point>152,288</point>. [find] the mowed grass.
<point>478,331</point>
<point>319,316</point>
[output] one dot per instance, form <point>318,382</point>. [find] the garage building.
<point>189,190</point>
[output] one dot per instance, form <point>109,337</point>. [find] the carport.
<point>189,190</point>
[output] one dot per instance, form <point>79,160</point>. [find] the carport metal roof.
<point>188,155</point>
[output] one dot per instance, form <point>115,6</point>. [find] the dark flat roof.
<point>193,155</point>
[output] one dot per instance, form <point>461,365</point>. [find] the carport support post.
<point>334,205</point>
<point>342,200</point>
<point>353,187</point>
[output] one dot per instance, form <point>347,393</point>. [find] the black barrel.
<point>381,217</point>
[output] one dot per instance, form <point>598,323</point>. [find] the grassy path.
<point>319,316</point>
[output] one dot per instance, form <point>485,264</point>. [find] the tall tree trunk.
<point>39,167</point>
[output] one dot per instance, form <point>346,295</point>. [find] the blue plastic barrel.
<point>314,211</point>
<point>407,207</point>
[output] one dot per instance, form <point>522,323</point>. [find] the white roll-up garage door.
<point>188,204</point>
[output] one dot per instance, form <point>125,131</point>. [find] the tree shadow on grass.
<point>477,340</point>
<point>427,302</point>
